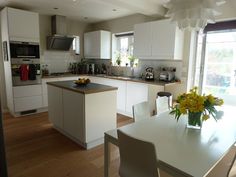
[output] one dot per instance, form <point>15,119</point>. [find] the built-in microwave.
<point>24,50</point>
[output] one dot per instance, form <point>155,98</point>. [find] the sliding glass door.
<point>216,65</point>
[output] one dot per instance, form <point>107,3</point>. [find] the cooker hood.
<point>59,40</point>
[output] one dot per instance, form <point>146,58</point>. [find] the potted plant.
<point>118,59</point>
<point>198,107</point>
<point>132,59</point>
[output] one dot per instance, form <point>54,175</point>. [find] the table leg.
<point>107,153</point>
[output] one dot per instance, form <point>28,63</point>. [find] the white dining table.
<point>181,151</point>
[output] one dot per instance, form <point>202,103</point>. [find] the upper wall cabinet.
<point>97,45</point>
<point>23,25</point>
<point>158,40</point>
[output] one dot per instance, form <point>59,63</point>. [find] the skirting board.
<point>87,146</point>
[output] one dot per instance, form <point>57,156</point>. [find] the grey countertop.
<point>84,89</point>
<point>124,78</point>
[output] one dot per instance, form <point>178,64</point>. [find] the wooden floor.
<point>35,149</point>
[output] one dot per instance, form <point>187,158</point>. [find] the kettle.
<point>149,75</point>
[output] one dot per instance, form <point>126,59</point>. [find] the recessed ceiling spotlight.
<point>114,10</point>
<point>74,0</point>
<point>55,8</point>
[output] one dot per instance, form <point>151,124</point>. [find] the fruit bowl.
<point>82,81</point>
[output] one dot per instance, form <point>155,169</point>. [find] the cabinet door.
<point>105,52</point>
<point>45,89</point>
<point>152,94</point>
<point>163,39</point>
<point>55,110</point>
<point>136,93</point>
<point>142,40</point>
<point>73,106</point>
<point>23,25</point>
<point>121,93</point>
<point>92,45</point>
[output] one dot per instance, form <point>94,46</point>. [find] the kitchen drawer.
<point>27,91</point>
<point>28,103</point>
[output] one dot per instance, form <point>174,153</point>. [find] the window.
<point>216,63</point>
<point>76,45</point>
<point>123,46</point>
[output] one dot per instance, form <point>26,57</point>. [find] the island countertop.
<point>85,89</point>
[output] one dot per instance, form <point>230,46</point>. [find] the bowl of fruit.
<point>82,81</point>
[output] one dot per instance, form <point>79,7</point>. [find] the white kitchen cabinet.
<point>152,94</point>
<point>26,91</point>
<point>45,89</point>
<point>27,103</point>
<point>158,40</point>
<point>73,106</point>
<point>23,25</point>
<point>142,40</point>
<point>135,93</point>
<point>27,97</point>
<point>121,92</point>
<point>97,45</point>
<point>55,111</point>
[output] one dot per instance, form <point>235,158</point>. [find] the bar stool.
<point>167,94</point>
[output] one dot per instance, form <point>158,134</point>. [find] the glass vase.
<point>194,120</point>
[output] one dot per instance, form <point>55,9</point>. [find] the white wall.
<point>58,61</point>
<point>2,79</point>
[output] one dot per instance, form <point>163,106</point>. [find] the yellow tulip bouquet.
<point>192,103</point>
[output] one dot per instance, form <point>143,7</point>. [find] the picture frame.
<point>5,51</point>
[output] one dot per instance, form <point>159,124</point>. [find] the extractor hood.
<point>59,40</point>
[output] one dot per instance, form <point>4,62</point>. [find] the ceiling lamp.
<point>193,14</point>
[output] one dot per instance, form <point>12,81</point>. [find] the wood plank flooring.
<point>35,149</point>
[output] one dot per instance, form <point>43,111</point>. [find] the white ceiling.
<point>94,10</point>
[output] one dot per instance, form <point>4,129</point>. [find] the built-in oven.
<point>25,63</point>
<point>24,50</point>
<point>27,72</point>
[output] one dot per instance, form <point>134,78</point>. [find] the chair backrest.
<point>137,157</point>
<point>141,111</point>
<point>232,168</point>
<point>162,104</point>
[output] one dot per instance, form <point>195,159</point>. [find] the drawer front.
<point>27,91</point>
<point>28,103</point>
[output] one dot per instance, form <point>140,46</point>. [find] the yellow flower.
<point>219,102</point>
<point>205,117</point>
<point>211,99</point>
<point>193,102</point>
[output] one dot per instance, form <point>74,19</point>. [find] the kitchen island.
<point>82,112</point>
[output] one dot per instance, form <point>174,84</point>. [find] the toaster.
<point>167,76</point>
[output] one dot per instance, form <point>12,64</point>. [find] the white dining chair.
<point>232,168</point>
<point>162,104</point>
<point>141,111</point>
<point>137,157</point>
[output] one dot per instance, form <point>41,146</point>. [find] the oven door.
<point>20,50</point>
<point>17,78</point>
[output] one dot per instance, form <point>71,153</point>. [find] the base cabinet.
<point>82,117</point>
<point>135,93</point>
<point>56,109</point>
<point>130,93</point>
<point>73,113</point>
